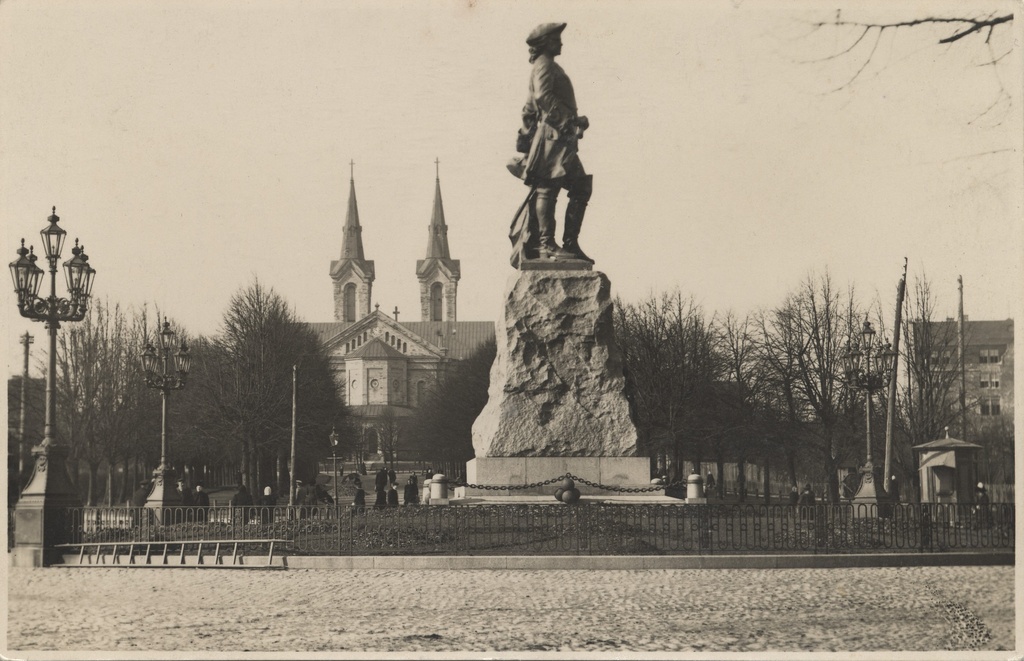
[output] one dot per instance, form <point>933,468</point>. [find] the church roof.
<point>461,338</point>
<point>376,348</point>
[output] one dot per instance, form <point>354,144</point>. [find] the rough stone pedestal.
<point>556,401</point>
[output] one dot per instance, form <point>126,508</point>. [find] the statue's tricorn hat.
<point>544,30</point>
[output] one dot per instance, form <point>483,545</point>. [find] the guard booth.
<point>948,469</point>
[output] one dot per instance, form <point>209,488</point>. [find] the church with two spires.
<point>385,367</point>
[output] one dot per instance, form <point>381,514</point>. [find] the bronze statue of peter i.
<point>548,141</point>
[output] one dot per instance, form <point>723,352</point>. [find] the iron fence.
<point>589,529</point>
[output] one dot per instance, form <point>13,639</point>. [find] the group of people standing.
<point>385,484</point>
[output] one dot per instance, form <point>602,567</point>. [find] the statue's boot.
<point>544,204</point>
<point>574,212</point>
<point>532,244</point>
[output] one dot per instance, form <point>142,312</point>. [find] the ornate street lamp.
<point>334,460</point>
<point>42,510</point>
<point>868,365</point>
<point>165,375</point>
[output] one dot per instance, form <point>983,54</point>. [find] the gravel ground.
<point>736,610</point>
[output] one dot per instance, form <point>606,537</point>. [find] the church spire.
<point>438,273</point>
<point>437,233</point>
<point>353,274</point>
<point>352,237</point>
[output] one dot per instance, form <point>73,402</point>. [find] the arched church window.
<point>421,391</point>
<point>350,302</point>
<point>405,347</point>
<point>387,337</point>
<point>436,291</point>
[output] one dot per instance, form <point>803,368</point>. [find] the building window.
<point>989,356</point>
<point>989,381</point>
<point>990,406</point>
<point>387,337</point>
<point>350,302</point>
<point>436,291</point>
<point>941,358</point>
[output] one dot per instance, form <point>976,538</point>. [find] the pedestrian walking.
<point>392,477</point>
<point>382,499</point>
<point>984,506</point>
<point>709,485</point>
<point>241,505</point>
<point>412,491</point>
<point>202,503</point>
<point>392,496</point>
<point>308,501</point>
<point>138,501</point>
<point>140,495</point>
<point>380,479</point>
<point>184,513</point>
<point>186,494</point>
<point>320,495</point>
<point>359,501</point>
<point>894,490</point>
<point>794,496</point>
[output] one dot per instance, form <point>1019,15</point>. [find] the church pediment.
<point>380,334</point>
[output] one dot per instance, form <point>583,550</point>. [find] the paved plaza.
<point>351,611</point>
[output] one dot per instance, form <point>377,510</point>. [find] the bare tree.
<point>988,32</point>
<point>442,428</point>
<point>803,342</point>
<point>239,398</point>
<point>389,436</point>
<point>669,350</point>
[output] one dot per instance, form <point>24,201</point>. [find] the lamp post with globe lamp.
<point>157,366</point>
<point>43,514</point>
<point>867,368</point>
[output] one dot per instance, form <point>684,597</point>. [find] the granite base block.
<point>630,472</point>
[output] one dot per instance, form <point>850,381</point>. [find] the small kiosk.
<point>948,469</point>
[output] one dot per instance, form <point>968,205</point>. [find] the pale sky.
<point>195,145</point>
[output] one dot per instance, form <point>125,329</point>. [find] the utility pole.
<point>963,361</point>
<point>891,413</point>
<point>26,340</point>
<point>291,462</point>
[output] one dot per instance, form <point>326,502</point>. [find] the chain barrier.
<point>596,485</point>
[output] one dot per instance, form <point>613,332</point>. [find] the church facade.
<point>386,368</point>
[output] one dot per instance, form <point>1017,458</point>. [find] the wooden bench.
<point>157,554</point>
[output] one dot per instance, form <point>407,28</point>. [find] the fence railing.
<point>591,529</point>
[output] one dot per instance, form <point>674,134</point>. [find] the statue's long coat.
<point>551,107</point>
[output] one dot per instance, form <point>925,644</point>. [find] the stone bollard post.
<point>439,489</point>
<point>695,489</point>
<point>425,499</point>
